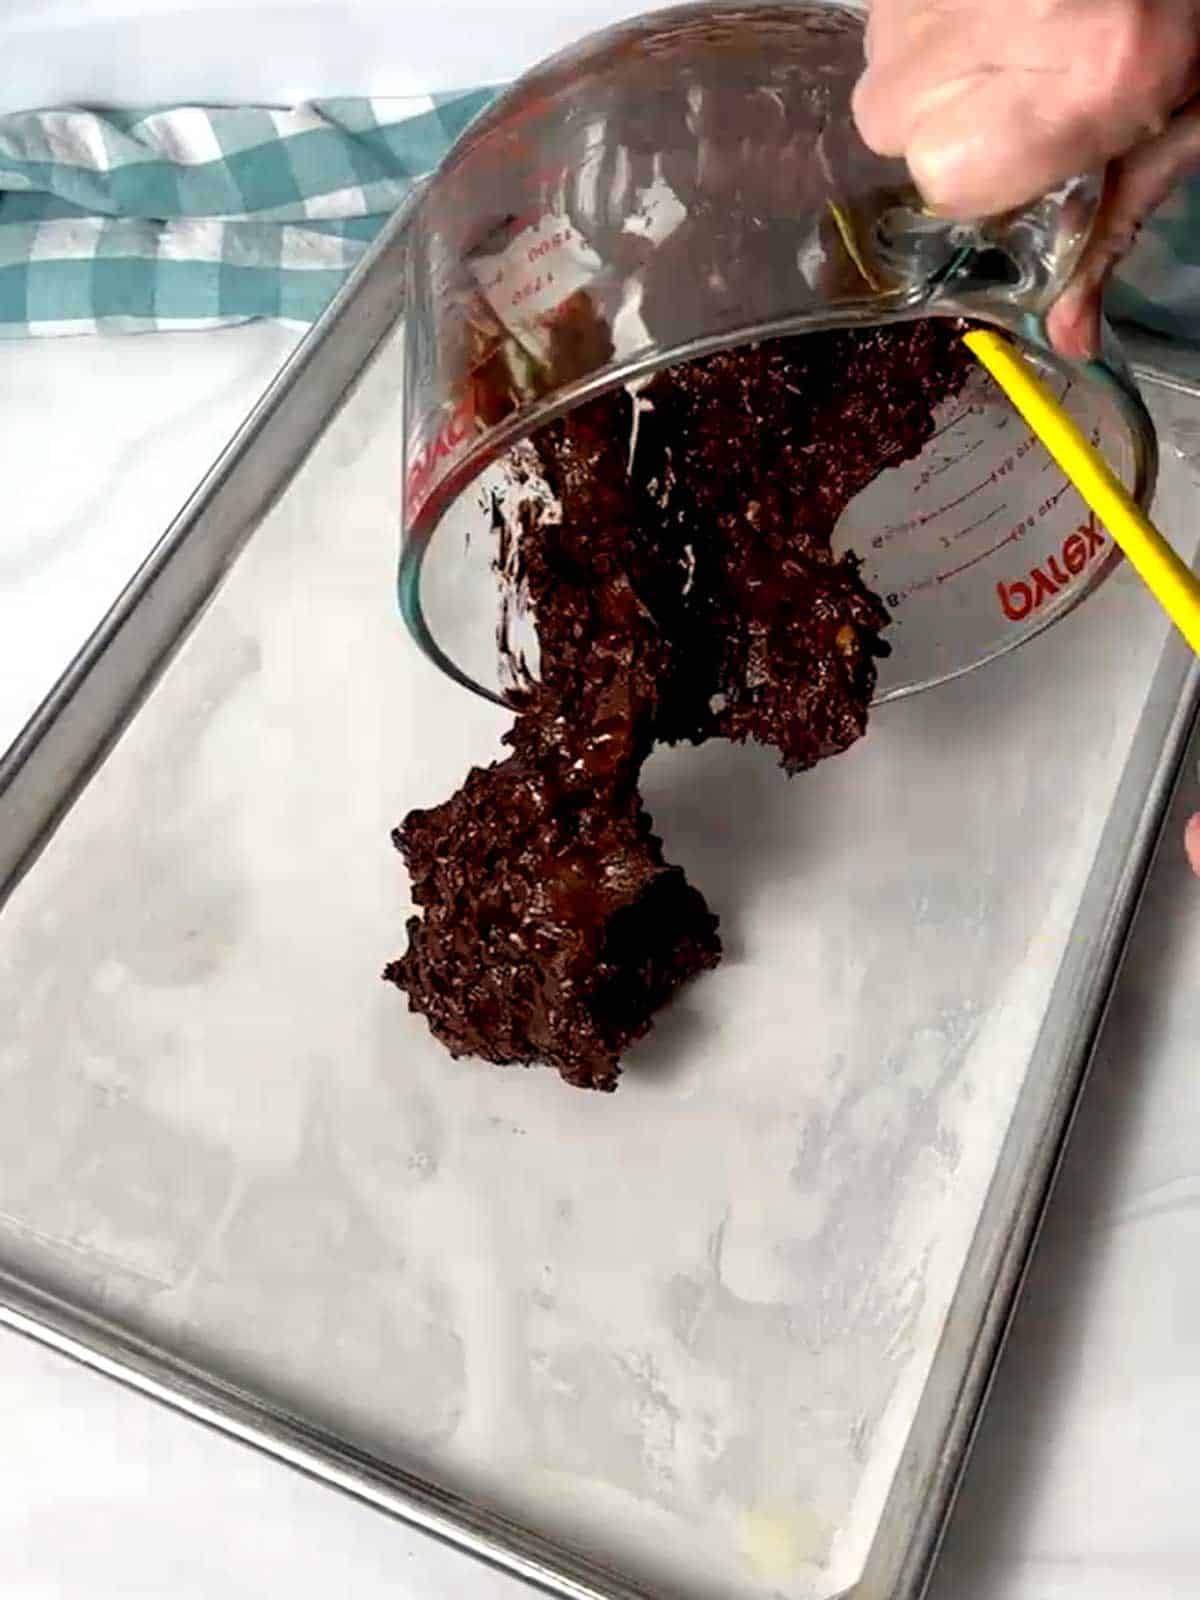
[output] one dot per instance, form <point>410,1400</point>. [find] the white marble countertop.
<point>103,440</point>
<point>1083,1482</point>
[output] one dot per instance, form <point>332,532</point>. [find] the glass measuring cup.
<point>689,181</point>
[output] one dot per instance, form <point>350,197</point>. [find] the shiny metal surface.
<point>101,689</point>
<point>46,771</point>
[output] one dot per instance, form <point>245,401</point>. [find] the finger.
<point>1191,840</point>
<point>1135,186</point>
<point>996,144</point>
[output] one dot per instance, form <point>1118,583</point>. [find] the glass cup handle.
<point>1016,263</point>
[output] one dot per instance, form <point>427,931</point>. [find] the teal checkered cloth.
<point>193,216</point>
<point>1159,286</point>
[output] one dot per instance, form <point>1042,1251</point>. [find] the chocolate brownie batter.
<point>687,591</point>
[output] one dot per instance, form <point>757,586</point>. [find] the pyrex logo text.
<point>431,461</point>
<point>1026,595</point>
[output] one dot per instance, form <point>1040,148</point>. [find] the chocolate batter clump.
<point>684,588</point>
<point>552,928</point>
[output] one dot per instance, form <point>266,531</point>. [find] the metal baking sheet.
<point>726,1333</point>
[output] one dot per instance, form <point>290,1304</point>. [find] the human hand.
<point>993,106</point>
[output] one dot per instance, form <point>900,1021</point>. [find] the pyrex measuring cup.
<point>693,180</point>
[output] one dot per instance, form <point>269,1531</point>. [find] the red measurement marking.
<point>545,246</point>
<point>996,511</point>
<point>533,287</point>
<point>944,465</point>
<point>1047,506</point>
<point>953,423</point>
<point>956,572</point>
<point>953,505</point>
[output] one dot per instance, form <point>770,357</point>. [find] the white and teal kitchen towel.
<point>1158,288</point>
<point>189,216</point>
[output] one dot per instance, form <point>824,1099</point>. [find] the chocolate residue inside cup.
<point>683,589</point>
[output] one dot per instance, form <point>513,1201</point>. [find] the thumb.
<point>1135,185</point>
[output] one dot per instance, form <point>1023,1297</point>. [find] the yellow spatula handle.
<point>1164,573</point>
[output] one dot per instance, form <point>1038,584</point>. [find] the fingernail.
<point>1074,328</point>
<point>1191,839</point>
<point>1088,338</point>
